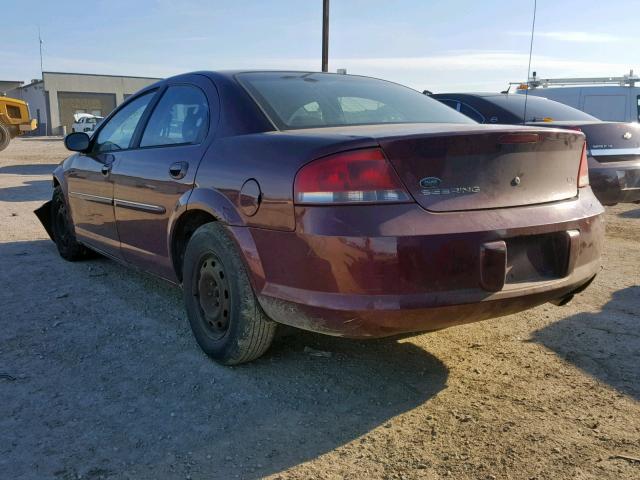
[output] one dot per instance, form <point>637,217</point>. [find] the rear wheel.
<point>5,138</point>
<point>63,234</point>
<point>226,319</point>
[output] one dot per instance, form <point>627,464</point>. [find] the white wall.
<point>73,82</point>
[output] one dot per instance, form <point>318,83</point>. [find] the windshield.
<point>540,109</point>
<point>310,100</point>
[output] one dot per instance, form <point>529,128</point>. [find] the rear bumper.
<point>29,127</point>
<point>615,182</point>
<point>377,271</point>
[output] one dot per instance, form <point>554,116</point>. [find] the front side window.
<point>117,134</point>
<point>309,114</point>
<point>358,110</point>
<point>310,100</point>
<point>181,117</point>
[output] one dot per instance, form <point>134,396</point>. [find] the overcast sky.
<point>461,45</point>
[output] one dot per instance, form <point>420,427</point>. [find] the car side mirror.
<point>77,142</point>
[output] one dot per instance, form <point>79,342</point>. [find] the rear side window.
<point>463,108</point>
<point>308,100</point>
<point>471,112</point>
<point>119,130</point>
<point>181,117</point>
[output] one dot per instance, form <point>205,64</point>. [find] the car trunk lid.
<point>486,168</point>
<point>607,141</point>
<point>613,142</point>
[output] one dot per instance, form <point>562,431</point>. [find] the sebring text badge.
<point>432,186</point>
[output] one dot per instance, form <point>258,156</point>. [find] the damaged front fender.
<point>44,215</point>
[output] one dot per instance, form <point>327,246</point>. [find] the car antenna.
<point>526,92</point>
<point>427,92</point>
<point>506,92</point>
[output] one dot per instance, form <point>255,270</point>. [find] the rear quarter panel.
<point>272,159</point>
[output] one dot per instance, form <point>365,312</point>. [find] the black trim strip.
<point>92,198</point>
<point>144,207</point>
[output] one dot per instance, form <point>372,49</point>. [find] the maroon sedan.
<point>339,204</point>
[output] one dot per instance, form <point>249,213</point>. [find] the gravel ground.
<point>101,378</point>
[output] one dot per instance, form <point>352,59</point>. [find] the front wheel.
<point>225,316</point>
<point>63,234</point>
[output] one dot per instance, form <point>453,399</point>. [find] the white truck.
<point>607,98</point>
<point>85,122</point>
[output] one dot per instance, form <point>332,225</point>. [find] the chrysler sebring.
<point>340,204</point>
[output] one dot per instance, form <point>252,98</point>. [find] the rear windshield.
<point>310,100</point>
<point>539,109</point>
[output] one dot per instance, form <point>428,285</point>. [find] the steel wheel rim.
<point>213,296</point>
<point>60,225</point>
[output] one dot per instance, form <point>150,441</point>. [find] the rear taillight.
<point>583,171</point>
<point>357,176</point>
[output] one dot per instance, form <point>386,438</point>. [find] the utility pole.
<point>325,35</point>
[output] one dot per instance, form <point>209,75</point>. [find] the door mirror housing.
<point>77,142</point>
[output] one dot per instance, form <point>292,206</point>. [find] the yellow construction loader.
<point>14,120</point>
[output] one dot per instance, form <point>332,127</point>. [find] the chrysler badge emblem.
<point>430,182</point>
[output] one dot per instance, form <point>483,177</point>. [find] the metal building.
<point>54,99</point>
<point>6,85</point>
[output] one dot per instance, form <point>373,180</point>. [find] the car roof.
<point>510,97</point>
<point>509,101</point>
<point>485,95</point>
<point>229,75</point>
<point>467,94</point>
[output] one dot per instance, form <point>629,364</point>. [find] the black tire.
<point>63,234</point>
<point>225,316</point>
<point>5,137</point>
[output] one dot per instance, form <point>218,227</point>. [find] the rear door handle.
<point>106,169</point>
<point>178,170</point>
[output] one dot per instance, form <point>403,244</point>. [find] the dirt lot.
<point>101,378</point>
